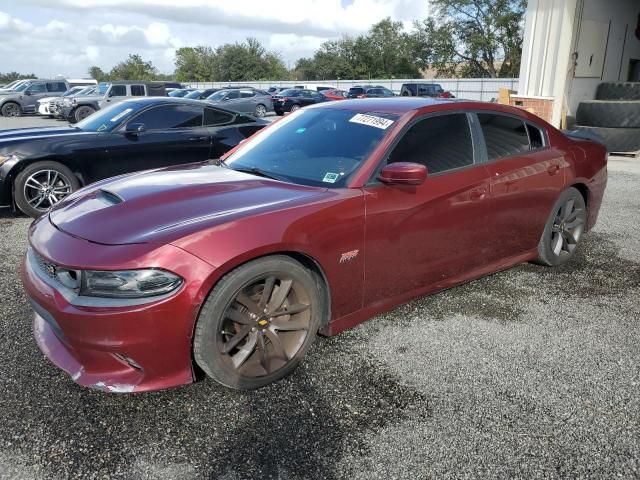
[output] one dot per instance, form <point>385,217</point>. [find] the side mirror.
<point>403,173</point>
<point>135,128</point>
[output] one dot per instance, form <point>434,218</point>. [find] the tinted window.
<point>503,135</point>
<point>37,88</point>
<point>314,147</point>
<point>214,117</point>
<point>233,94</point>
<point>118,91</point>
<point>374,91</point>
<point>290,92</point>
<point>137,90</point>
<point>440,143</point>
<point>356,90</point>
<point>247,94</point>
<point>170,116</point>
<point>56,86</point>
<point>535,136</point>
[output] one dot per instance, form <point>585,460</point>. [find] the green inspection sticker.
<point>330,177</point>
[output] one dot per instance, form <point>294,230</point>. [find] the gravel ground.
<point>532,372</point>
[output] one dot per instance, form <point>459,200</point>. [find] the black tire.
<point>295,107</point>
<point>614,139</point>
<point>215,331</point>
<point>24,193</point>
<point>609,113</point>
<point>560,238</point>
<point>618,91</point>
<point>11,109</point>
<point>82,112</point>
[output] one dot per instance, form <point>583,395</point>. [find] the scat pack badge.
<point>348,256</point>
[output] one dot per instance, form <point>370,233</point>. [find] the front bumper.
<point>110,347</point>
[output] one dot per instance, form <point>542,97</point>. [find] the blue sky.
<point>66,37</point>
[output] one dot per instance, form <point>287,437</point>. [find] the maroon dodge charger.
<point>331,215</point>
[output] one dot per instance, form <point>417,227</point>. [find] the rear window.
<point>356,90</point>
<point>536,136</point>
<point>290,92</point>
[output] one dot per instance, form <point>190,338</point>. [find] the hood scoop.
<point>108,197</point>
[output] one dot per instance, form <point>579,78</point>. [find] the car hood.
<point>18,133</point>
<point>163,205</point>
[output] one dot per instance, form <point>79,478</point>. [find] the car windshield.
<point>290,92</point>
<point>194,94</point>
<point>102,88</point>
<point>86,91</point>
<point>178,93</point>
<point>106,119</point>
<point>219,95</point>
<point>319,147</point>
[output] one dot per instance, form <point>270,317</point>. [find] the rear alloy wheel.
<point>81,113</point>
<point>260,111</point>
<point>294,107</point>
<point>564,229</point>
<point>258,323</point>
<point>41,185</point>
<point>11,109</point>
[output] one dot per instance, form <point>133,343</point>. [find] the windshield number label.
<point>372,121</point>
<point>330,177</point>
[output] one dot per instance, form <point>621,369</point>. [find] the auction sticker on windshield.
<point>330,177</point>
<point>371,120</point>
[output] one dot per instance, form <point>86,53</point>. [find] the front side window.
<point>233,94</point>
<point>504,136</point>
<point>320,147</point>
<point>37,88</point>
<point>137,90</point>
<point>440,143</point>
<point>170,116</point>
<point>118,91</point>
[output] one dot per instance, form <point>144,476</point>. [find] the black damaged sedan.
<point>41,166</point>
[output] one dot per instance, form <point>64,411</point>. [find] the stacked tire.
<point>613,117</point>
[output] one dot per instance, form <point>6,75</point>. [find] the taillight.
<point>360,96</point>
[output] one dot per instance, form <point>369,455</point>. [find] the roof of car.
<point>182,100</point>
<point>397,105</point>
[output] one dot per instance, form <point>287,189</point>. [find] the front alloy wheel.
<point>41,185</point>
<point>258,323</point>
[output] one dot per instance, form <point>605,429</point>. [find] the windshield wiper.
<point>256,171</point>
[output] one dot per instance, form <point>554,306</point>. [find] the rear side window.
<point>37,88</point>
<point>536,136</point>
<point>504,136</point>
<point>213,117</point>
<point>440,143</point>
<point>247,94</point>
<point>170,116</point>
<point>137,90</point>
<point>57,87</point>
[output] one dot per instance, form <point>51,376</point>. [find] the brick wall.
<point>543,107</point>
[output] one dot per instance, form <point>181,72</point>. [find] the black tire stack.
<point>613,117</point>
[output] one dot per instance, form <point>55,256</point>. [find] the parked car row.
<point>22,96</point>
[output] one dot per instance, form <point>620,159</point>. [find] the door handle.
<point>478,194</point>
<point>553,169</point>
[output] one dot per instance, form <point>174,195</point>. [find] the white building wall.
<point>622,44</point>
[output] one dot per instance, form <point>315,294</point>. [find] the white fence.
<point>483,89</point>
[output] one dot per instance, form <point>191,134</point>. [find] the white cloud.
<point>81,33</point>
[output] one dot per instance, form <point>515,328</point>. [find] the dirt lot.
<point>532,372</point>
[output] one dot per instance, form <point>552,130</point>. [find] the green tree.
<point>471,38</point>
<point>195,64</point>
<point>11,76</point>
<point>133,68</point>
<point>247,61</point>
<point>98,74</point>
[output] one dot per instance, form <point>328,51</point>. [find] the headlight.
<point>128,283</point>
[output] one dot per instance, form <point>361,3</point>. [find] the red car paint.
<point>202,221</point>
<point>334,94</point>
